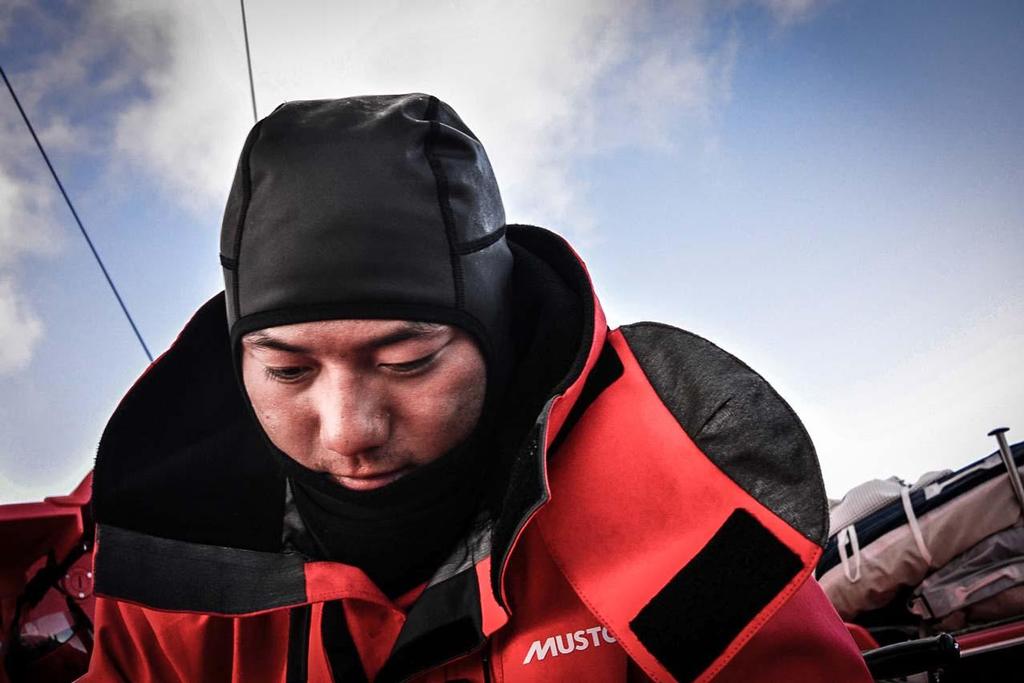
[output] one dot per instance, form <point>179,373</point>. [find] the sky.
<point>829,190</point>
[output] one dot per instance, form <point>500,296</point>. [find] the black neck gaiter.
<point>398,534</point>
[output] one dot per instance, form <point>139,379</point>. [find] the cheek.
<point>284,422</point>
<point>441,414</point>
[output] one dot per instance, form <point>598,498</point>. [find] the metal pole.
<point>1011,466</point>
<point>248,61</point>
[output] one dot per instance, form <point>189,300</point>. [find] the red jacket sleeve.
<point>804,641</point>
<point>125,647</point>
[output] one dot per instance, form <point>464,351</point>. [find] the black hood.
<point>380,207</point>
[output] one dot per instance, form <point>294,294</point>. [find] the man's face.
<point>365,401</point>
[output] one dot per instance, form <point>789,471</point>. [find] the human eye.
<point>288,374</point>
<point>410,367</point>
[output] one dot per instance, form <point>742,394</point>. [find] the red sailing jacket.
<point>663,518</point>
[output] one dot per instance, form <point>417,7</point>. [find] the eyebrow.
<point>408,330</point>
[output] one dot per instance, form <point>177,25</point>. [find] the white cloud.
<point>20,328</point>
<point>788,12</point>
<point>26,207</point>
<point>27,230</point>
<point>542,84</point>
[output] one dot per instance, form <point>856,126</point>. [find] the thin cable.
<point>74,213</point>
<point>248,61</point>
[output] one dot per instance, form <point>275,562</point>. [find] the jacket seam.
<point>754,626</point>
<point>444,199</point>
<point>593,610</point>
<point>246,173</point>
<point>479,243</point>
<point>710,418</point>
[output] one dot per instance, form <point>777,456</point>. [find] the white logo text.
<point>574,641</point>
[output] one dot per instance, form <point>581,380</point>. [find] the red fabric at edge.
<point>804,641</point>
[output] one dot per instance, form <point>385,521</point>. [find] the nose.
<point>353,416</point>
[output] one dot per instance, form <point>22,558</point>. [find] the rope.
<point>248,61</point>
<point>74,213</point>
<point>915,528</point>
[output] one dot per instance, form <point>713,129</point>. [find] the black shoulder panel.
<point>738,420</point>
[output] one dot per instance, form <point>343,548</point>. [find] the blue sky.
<point>830,190</point>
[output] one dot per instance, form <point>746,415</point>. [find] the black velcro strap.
<point>176,575</point>
<point>694,618</point>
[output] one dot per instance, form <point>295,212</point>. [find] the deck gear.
<point>871,557</point>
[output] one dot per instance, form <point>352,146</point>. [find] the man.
<point>418,453</point>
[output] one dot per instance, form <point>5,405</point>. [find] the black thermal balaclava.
<point>380,207</point>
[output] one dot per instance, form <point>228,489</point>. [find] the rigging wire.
<point>74,213</point>
<point>248,61</point>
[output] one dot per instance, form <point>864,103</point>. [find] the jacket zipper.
<point>485,661</point>
<point>534,447</point>
<point>298,643</point>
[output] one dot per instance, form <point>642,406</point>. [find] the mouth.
<point>367,482</point>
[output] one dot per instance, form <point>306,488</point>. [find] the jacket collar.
<point>181,460</point>
<point>561,281</point>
